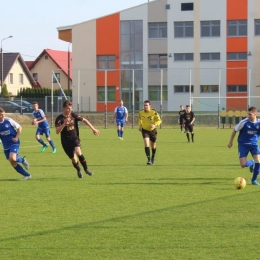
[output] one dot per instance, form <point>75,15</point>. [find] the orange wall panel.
<point>236,73</point>
<point>234,103</point>
<point>108,43</point>
<point>237,44</point>
<point>237,9</point>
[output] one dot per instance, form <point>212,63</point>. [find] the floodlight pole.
<point>2,64</point>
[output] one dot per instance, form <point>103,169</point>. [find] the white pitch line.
<point>30,146</point>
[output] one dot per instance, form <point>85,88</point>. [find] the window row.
<point>209,88</point>
<point>11,78</point>
<point>154,92</point>
<point>207,29</point>
<point>160,61</point>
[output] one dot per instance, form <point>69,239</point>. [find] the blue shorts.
<point>12,149</point>
<point>45,131</point>
<point>244,149</point>
<point>120,122</point>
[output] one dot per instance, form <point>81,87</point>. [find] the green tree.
<point>5,91</point>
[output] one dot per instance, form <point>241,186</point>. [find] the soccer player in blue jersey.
<point>9,134</point>
<point>249,131</point>
<point>40,119</point>
<point>121,116</point>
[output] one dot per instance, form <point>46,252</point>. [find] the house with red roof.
<point>52,68</point>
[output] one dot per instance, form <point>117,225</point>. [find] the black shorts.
<point>188,127</point>
<point>69,146</point>
<point>152,135</point>
<point>181,121</point>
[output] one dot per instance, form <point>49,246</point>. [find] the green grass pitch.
<point>183,207</point>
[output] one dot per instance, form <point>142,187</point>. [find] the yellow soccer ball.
<point>240,183</point>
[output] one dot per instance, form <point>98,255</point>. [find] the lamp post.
<point>2,65</point>
<point>69,68</point>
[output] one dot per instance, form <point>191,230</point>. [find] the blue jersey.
<point>8,130</point>
<point>39,115</point>
<point>248,131</point>
<point>120,112</point>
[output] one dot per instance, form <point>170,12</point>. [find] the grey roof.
<point>8,61</point>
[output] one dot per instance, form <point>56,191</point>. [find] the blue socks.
<point>249,163</point>
<point>256,171</point>
<point>120,133</point>
<point>19,159</point>
<point>21,170</point>
<point>41,142</point>
<point>52,144</point>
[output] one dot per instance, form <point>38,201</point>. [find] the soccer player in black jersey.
<point>189,119</point>
<point>181,112</point>
<point>67,125</point>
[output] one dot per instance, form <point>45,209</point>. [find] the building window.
<point>236,56</point>
<point>187,6</point>
<point>35,76</point>
<point>183,29</point>
<point>10,78</point>
<point>155,93</point>
<point>208,88</point>
<point>157,30</point>
<point>182,89</point>
<point>20,79</point>
<point>106,62</point>
<point>210,29</point>
<point>210,56</point>
<point>111,94</point>
<point>237,88</point>
<point>183,56</point>
<point>54,80</point>
<point>257,27</point>
<point>237,28</point>
<point>157,61</point>
<point>46,57</point>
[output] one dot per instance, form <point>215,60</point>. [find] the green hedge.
<point>40,92</point>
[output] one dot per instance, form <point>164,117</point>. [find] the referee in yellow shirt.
<point>149,119</point>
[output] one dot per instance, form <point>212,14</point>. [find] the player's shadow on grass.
<point>93,223</point>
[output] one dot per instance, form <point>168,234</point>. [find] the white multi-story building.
<point>171,52</point>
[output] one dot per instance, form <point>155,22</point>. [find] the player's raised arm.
<point>86,122</point>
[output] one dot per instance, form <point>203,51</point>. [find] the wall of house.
<point>157,12</point>
<point>16,70</point>
<point>236,71</point>
<point>44,68</point>
<point>108,43</point>
<point>84,66</point>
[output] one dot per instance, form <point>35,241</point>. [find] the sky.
<point>33,23</point>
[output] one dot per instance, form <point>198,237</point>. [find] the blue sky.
<point>33,23</point>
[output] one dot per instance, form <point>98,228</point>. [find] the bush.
<point>40,92</point>
<point>5,91</point>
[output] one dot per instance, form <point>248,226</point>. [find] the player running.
<point>40,119</point>
<point>249,131</point>
<point>10,132</point>
<point>67,125</point>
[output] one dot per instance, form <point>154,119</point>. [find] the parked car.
<point>12,107</point>
<point>24,104</point>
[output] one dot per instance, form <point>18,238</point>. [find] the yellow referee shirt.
<point>148,118</point>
